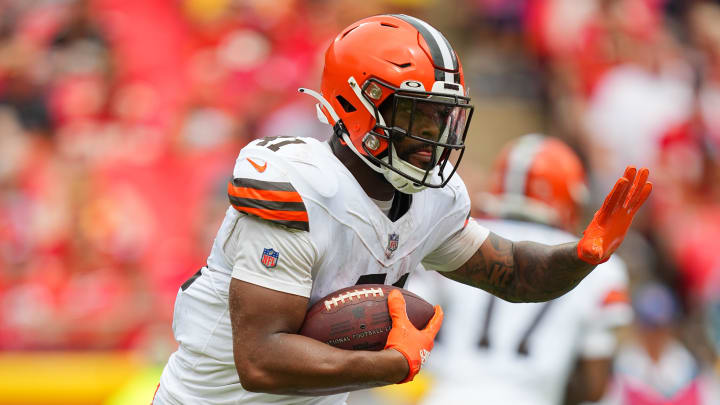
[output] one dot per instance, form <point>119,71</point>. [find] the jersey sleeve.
<point>260,187</point>
<point>274,256</point>
<point>458,248</point>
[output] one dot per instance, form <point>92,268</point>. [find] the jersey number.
<point>379,278</point>
<point>270,143</point>
<point>522,348</point>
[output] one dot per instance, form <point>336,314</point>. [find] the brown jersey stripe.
<point>291,219</point>
<point>277,202</point>
<point>267,204</point>
<point>263,185</point>
<point>299,225</point>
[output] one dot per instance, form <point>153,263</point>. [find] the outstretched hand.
<point>414,344</point>
<point>611,222</point>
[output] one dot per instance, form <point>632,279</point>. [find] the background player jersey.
<point>493,352</point>
<point>300,223</point>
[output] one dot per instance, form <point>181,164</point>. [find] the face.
<point>428,121</point>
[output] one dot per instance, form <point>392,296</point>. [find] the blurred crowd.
<point>120,121</point>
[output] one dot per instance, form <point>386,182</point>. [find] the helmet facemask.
<point>397,58</point>
<point>423,131</point>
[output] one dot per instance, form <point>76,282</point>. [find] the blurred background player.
<point>654,366</point>
<point>493,352</point>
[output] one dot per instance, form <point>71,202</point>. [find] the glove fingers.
<point>631,175</point>
<point>396,306</point>
<point>613,199</point>
<point>630,172</point>
<point>433,325</point>
<point>644,194</point>
<point>636,189</point>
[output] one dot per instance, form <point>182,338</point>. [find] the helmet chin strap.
<point>408,186</point>
<point>401,183</point>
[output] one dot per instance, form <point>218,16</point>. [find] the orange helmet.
<point>538,178</point>
<point>394,92</point>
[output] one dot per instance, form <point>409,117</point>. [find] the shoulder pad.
<point>261,185</point>
<point>273,201</point>
<point>457,189</point>
<point>273,175</point>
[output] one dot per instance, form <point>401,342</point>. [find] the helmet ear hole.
<point>345,104</point>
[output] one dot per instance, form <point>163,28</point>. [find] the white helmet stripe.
<point>520,159</point>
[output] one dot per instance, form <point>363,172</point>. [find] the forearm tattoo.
<point>523,271</point>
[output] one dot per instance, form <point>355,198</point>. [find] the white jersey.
<point>300,223</point>
<point>493,352</point>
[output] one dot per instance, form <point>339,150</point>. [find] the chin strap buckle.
<point>339,129</point>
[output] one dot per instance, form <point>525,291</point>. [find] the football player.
<point>494,352</point>
<point>369,206</point>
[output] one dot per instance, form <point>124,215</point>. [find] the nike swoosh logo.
<point>257,166</point>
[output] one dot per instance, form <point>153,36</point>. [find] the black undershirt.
<point>401,205</point>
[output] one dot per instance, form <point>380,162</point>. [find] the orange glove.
<point>610,223</point>
<point>414,344</point>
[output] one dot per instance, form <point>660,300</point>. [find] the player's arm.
<point>267,304</point>
<point>522,271</point>
<point>528,271</point>
<point>271,357</point>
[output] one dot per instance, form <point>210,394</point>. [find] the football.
<point>357,317</point>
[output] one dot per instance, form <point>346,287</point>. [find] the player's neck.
<point>372,182</point>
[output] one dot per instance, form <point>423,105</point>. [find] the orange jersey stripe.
<point>268,195</point>
<point>275,215</point>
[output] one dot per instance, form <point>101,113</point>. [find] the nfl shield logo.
<point>393,240</point>
<point>269,258</point>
